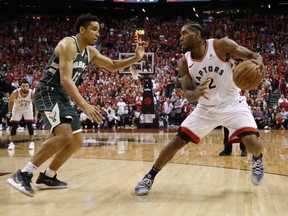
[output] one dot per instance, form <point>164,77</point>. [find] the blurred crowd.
<point>27,43</point>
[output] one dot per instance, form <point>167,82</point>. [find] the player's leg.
<point>193,128</point>
<point>244,127</point>
<point>48,179</point>
<point>166,154</point>
<point>243,149</point>
<point>28,118</point>
<point>227,146</point>
<point>254,146</point>
<point>14,127</point>
<point>14,121</point>
<point>60,126</point>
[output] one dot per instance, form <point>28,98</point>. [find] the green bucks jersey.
<point>51,76</point>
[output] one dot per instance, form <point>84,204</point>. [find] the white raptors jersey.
<point>222,89</point>
<point>22,103</point>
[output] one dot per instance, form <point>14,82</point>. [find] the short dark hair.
<point>84,20</point>
<point>24,81</point>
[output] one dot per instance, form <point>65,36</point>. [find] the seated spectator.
<point>85,121</point>
<point>284,114</point>
<point>279,122</point>
<point>266,123</point>
<point>258,115</point>
<point>282,99</point>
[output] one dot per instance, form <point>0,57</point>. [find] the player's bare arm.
<point>115,65</point>
<point>191,91</point>
<point>66,51</point>
<point>228,46</point>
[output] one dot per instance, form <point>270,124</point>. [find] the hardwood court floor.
<point>102,176</point>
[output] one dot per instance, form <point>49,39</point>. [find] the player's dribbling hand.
<point>140,49</point>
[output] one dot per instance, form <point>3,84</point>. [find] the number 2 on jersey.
<point>211,85</point>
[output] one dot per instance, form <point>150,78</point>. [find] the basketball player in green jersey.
<point>52,99</point>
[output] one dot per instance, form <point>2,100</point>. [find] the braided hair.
<point>198,27</point>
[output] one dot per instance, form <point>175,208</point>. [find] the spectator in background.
<point>258,115</point>
<point>167,109</point>
<point>122,111</point>
<point>284,115</point>
<point>178,110</point>
<point>29,77</point>
<point>111,117</point>
<point>279,122</point>
<point>283,102</point>
<point>135,117</point>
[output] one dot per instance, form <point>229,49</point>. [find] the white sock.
<point>30,167</point>
<point>50,173</point>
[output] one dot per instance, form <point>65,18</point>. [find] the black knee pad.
<point>14,128</point>
<point>30,129</point>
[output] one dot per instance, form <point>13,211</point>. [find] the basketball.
<point>247,75</point>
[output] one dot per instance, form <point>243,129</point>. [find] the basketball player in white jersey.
<point>206,77</point>
<point>20,106</point>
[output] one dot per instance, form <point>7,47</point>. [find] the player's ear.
<point>81,29</point>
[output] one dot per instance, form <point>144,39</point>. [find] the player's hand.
<point>94,113</point>
<point>261,65</point>
<point>140,49</point>
<point>9,115</point>
<point>203,88</point>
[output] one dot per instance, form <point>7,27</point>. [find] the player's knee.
<point>30,128</point>
<point>183,138</point>
<point>179,141</point>
<point>77,145</point>
<point>65,138</point>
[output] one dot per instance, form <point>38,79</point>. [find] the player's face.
<point>24,88</point>
<point>92,33</point>
<point>188,38</point>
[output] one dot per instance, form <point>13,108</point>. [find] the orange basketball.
<point>247,75</point>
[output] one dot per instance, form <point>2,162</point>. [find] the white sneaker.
<point>11,146</point>
<point>31,146</point>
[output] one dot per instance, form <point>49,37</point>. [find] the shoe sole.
<point>255,182</point>
<point>44,187</point>
<point>142,193</point>
<point>12,183</point>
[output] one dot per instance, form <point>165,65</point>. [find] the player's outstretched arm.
<point>115,65</point>
<point>227,46</point>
